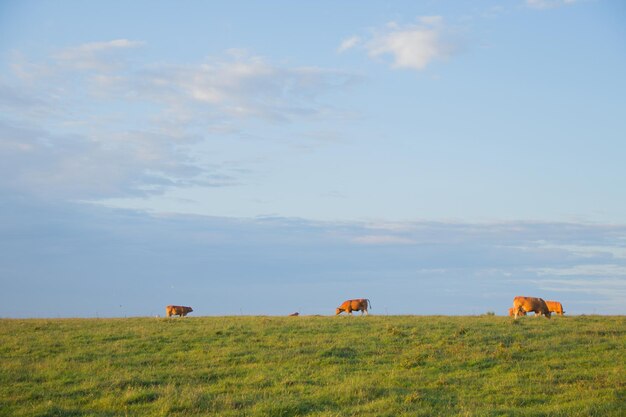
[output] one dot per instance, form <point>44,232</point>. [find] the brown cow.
<point>528,304</point>
<point>555,307</point>
<point>180,311</point>
<point>512,312</point>
<point>360,304</point>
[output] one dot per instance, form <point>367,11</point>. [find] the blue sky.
<point>437,157</point>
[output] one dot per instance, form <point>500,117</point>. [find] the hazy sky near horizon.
<point>266,157</point>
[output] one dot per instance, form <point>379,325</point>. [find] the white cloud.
<point>238,85</point>
<point>95,124</point>
<point>549,4</point>
<point>412,49</point>
<point>241,86</point>
<point>588,251</point>
<point>382,240</point>
<point>591,270</point>
<point>349,43</point>
<point>612,291</point>
<point>117,164</point>
<point>102,46</point>
<point>96,55</point>
<point>391,226</point>
<point>431,20</point>
<point>413,46</point>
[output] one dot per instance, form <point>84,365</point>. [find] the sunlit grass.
<point>314,366</point>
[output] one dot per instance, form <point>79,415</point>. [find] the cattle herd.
<point>521,306</point>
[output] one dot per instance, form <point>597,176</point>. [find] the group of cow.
<point>539,306</point>
<point>521,306</point>
<point>359,304</point>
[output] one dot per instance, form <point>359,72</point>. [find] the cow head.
<point>338,311</point>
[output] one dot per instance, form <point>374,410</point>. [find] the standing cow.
<point>555,307</point>
<point>180,311</point>
<point>359,304</point>
<point>528,304</point>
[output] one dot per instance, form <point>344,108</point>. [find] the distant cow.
<point>180,311</point>
<point>512,312</point>
<point>555,307</point>
<point>528,304</point>
<point>360,304</point>
<point>294,314</point>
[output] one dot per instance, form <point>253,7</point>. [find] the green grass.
<point>314,366</point>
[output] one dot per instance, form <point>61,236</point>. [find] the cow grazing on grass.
<point>359,304</point>
<point>528,304</point>
<point>555,307</point>
<point>180,311</point>
<point>512,312</point>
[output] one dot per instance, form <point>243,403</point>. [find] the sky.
<point>252,158</point>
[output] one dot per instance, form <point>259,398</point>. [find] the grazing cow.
<point>294,314</point>
<point>180,311</point>
<point>555,307</point>
<point>512,312</point>
<point>528,304</point>
<point>360,304</point>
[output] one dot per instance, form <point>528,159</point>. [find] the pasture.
<point>314,366</point>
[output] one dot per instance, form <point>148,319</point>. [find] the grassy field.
<point>314,366</point>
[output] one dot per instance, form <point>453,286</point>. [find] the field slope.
<point>314,366</point>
